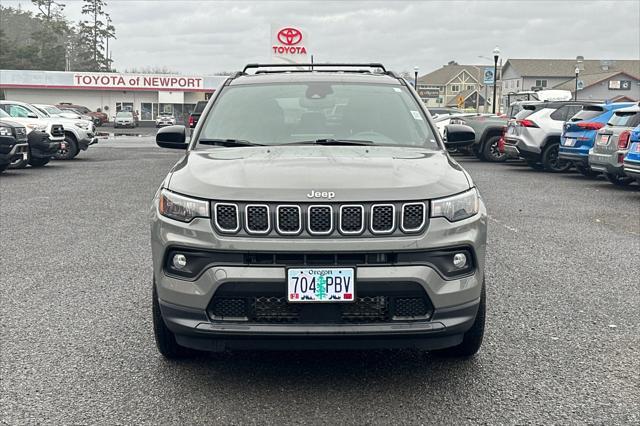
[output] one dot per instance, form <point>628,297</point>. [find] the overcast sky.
<point>203,37</point>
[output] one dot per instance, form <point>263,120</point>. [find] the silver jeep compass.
<point>317,208</point>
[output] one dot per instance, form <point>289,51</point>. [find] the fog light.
<point>179,261</point>
<point>459,260</point>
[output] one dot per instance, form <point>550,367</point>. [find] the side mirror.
<point>458,136</point>
<point>32,115</point>
<point>173,137</point>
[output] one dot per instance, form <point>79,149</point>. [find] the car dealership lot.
<point>77,346</point>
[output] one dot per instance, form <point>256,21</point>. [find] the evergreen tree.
<point>92,33</point>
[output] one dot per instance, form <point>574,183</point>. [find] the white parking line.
<point>510,228</point>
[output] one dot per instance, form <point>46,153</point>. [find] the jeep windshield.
<point>317,113</point>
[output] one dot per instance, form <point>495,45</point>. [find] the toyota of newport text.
<point>313,210</point>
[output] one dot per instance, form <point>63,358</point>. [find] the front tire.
<point>472,338</point>
<point>490,151</point>
<point>165,339</point>
<point>618,180</point>
<point>21,163</point>
<point>551,160</point>
<point>71,152</point>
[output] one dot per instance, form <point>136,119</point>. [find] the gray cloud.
<point>208,36</point>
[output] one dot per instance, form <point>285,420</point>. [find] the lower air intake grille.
<point>225,307</point>
<point>410,307</point>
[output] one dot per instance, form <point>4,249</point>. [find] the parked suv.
<point>283,228</point>
<point>13,141</point>
<point>632,159</point>
<point>535,133</point>
<point>580,132</point>
<point>45,136</point>
<point>612,144</point>
<point>98,117</point>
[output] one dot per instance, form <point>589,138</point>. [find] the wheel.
<point>490,151</point>
<point>587,171</point>
<point>71,151</point>
<point>165,339</point>
<point>551,162</point>
<point>534,165</point>
<point>618,180</point>
<point>3,167</point>
<point>38,162</point>
<point>97,122</point>
<point>472,339</point>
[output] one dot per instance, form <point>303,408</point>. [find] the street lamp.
<point>575,95</point>
<point>415,77</point>
<point>496,55</point>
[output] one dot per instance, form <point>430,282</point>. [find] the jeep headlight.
<point>5,131</point>
<point>457,207</point>
<point>82,124</point>
<point>181,208</point>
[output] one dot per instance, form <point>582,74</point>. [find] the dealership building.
<point>148,94</point>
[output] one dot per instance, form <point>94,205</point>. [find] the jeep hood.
<point>289,173</point>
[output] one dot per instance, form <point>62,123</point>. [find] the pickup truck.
<point>489,130</point>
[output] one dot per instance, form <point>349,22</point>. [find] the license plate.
<point>308,285</point>
<point>604,139</point>
<point>569,142</point>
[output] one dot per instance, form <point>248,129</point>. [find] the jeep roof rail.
<point>312,67</point>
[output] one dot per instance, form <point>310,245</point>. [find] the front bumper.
<point>185,303</point>
<point>20,149</point>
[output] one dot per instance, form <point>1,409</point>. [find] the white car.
<point>45,135</point>
<point>78,134</point>
<point>165,119</point>
<point>124,119</point>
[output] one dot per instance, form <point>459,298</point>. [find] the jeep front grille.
<point>289,220</point>
<point>308,220</point>
<point>383,220</point>
<point>320,220</point>
<point>257,219</point>
<point>226,217</point>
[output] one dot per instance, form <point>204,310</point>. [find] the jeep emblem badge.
<point>325,194</point>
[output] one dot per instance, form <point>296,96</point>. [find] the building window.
<point>541,83</point>
<point>518,84</point>
<point>455,88</point>
<point>146,111</point>
<point>470,86</point>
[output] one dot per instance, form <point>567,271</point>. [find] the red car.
<point>98,117</point>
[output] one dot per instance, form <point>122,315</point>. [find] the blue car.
<point>632,159</point>
<point>579,134</point>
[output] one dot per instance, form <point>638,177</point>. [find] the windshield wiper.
<point>329,141</point>
<point>228,142</point>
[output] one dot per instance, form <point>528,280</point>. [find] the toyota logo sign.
<point>288,43</point>
<point>289,36</point>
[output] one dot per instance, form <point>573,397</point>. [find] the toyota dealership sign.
<point>289,44</point>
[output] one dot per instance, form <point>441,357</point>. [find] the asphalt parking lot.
<point>77,347</point>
